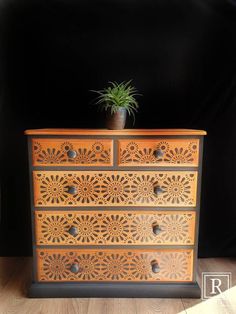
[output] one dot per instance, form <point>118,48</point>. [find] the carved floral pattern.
<point>176,189</point>
<point>36,147</point>
<point>53,189</point>
<point>56,267</point>
<point>193,147</point>
<point>88,188</point>
<point>115,228</point>
<point>54,228</point>
<point>88,265</point>
<point>90,152</point>
<point>88,228</point>
<point>51,156</point>
<point>115,188</point>
<point>175,265</point>
<point>142,188</point>
<point>179,156</point>
<point>84,156</point>
<point>145,156</point>
<point>141,228</point>
<point>164,146</point>
<point>114,266</point>
<point>183,153</point>
<point>122,265</point>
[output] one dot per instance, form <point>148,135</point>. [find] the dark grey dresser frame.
<point>116,289</point>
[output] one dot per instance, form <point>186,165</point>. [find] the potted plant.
<point>117,100</point>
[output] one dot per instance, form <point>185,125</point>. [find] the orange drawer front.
<point>121,265</point>
<point>69,152</point>
<point>154,152</point>
<point>115,228</point>
<point>115,188</point>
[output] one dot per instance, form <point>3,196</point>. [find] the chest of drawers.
<point>115,213</point>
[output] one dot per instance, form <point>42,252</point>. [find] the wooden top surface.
<point>115,132</point>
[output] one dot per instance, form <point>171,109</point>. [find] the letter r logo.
<point>214,284</point>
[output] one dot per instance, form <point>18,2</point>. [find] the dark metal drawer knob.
<point>72,190</point>
<point>158,190</point>
<point>158,153</point>
<point>155,268</point>
<point>71,153</point>
<point>74,268</point>
<point>156,229</point>
<point>73,231</point>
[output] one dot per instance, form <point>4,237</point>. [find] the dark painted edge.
<point>114,290</point>
<point>117,247</point>
<point>113,168</point>
<point>34,268</point>
<point>115,208</point>
<point>199,185</point>
<point>115,154</point>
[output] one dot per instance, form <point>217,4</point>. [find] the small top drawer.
<point>158,152</point>
<point>80,152</point>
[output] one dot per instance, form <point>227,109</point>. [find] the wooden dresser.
<point>115,213</point>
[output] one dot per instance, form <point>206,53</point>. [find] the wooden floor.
<point>15,276</point>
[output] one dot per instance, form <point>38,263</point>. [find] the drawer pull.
<point>71,153</point>
<point>73,231</point>
<point>74,268</point>
<point>72,190</point>
<point>158,190</point>
<point>158,153</point>
<point>156,229</point>
<point>155,267</point>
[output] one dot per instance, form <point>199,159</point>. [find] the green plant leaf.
<point>118,95</point>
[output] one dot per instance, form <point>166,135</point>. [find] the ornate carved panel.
<point>80,152</point>
<point>109,265</point>
<point>115,228</point>
<point>154,152</point>
<point>115,188</point>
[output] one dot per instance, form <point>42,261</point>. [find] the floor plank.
<point>8,269</point>
<point>15,275</point>
<point>13,293</point>
<point>149,306</point>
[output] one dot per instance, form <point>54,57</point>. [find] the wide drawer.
<point>158,152</point>
<point>109,265</point>
<point>79,152</point>
<point>114,228</point>
<point>115,188</point>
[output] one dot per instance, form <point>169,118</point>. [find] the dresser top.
<point>115,132</point>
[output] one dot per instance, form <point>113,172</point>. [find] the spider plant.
<point>117,97</point>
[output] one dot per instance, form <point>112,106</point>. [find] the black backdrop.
<point>181,57</point>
